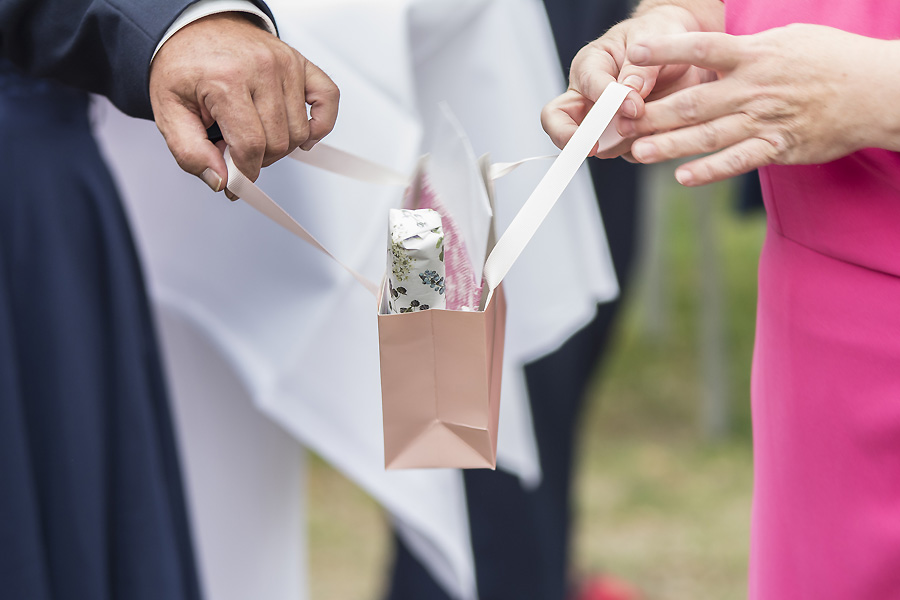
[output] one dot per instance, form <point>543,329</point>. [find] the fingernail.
<point>635,82</point>
<point>684,177</point>
<point>212,179</point>
<point>308,145</point>
<point>644,151</point>
<point>629,108</point>
<point>638,54</point>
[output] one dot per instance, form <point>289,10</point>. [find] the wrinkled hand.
<point>802,94</point>
<point>605,60</point>
<point>225,69</point>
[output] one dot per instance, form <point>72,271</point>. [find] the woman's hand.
<point>605,60</point>
<point>801,94</point>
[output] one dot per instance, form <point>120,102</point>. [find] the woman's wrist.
<point>879,94</point>
<point>695,15</point>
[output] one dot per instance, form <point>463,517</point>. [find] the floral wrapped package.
<point>416,261</point>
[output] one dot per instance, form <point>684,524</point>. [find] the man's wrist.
<point>205,8</point>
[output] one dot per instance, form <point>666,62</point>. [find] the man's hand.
<point>225,69</point>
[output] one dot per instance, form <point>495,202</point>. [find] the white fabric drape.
<point>297,332</point>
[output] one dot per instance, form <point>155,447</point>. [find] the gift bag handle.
<point>523,227</point>
<point>250,193</point>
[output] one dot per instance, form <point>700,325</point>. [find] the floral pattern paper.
<point>416,261</point>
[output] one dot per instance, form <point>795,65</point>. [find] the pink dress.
<point>826,372</point>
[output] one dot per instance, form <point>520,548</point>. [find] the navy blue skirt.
<point>91,503</point>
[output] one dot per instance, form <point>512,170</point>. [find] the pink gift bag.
<point>445,411</point>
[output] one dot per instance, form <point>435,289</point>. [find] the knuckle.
<point>253,145</point>
<point>648,124</point>
<point>586,51</point>
<point>582,80</point>
<point>665,146</point>
<point>264,58</point>
<point>332,92</point>
<point>216,88</point>
<point>279,146</point>
<point>709,137</point>
<point>702,48</point>
<point>706,172</point>
<point>739,160</point>
<point>778,145</point>
<point>688,107</point>
<point>294,58</point>
<point>299,133</point>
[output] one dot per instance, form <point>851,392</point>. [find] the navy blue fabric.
<point>91,504</point>
<point>749,195</point>
<point>102,46</point>
<point>521,537</point>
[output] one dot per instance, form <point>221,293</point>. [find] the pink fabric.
<point>826,373</point>
<point>462,290</point>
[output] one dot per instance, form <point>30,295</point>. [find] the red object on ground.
<point>605,588</point>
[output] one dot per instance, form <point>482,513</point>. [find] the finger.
<point>562,115</point>
<point>273,115</point>
<point>269,100</point>
<point>593,69</point>
<point>222,146</point>
<point>185,136</point>
<point>242,129</point>
<point>716,51</point>
<point>592,75</point>
<point>697,139</point>
<point>690,106</point>
<point>323,98</point>
<point>295,101</point>
<point>621,149</point>
<point>683,77</point>
<point>640,79</point>
<point>740,158</point>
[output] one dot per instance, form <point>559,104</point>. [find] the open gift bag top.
<point>593,130</point>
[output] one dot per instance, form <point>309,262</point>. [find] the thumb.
<point>187,140</point>
<point>641,79</point>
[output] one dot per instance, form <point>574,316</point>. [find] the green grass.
<point>657,504</point>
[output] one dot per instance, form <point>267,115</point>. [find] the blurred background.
<point>663,473</point>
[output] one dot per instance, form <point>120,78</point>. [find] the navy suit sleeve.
<point>102,46</point>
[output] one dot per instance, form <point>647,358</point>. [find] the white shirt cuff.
<point>204,8</point>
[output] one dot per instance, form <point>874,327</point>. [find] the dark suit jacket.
<point>102,46</point>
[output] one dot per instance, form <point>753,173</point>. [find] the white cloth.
<point>244,475</point>
<point>298,332</point>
